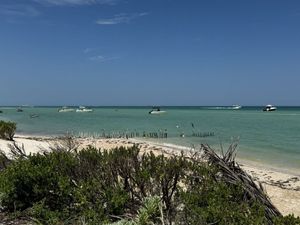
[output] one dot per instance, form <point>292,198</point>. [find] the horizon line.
<point>71,105</point>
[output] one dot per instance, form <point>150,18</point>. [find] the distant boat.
<point>84,109</point>
<point>1,111</point>
<point>156,110</point>
<point>34,115</point>
<point>66,109</point>
<point>269,108</point>
<point>19,110</point>
<point>236,107</point>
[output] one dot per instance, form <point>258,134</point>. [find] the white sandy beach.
<point>282,188</point>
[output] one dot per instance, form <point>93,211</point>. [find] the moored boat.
<point>269,108</point>
<point>156,110</point>
<point>34,115</point>
<point>84,109</point>
<point>66,109</point>
<point>236,107</point>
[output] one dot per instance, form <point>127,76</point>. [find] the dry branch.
<point>231,172</point>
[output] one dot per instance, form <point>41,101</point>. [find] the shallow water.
<point>271,138</point>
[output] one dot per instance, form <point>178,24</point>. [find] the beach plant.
<point>26,182</point>
<point>4,160</point>
<point>125,186</point>
<point>66,143</point>
<point>231,173</point>
<point>149,213</point>
<point>7,130</point>
<point>287,220</point>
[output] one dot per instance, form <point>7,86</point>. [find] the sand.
<point>283,188</point>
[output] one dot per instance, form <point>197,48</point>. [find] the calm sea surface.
<point>271,138</point>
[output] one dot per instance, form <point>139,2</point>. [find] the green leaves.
<point>7,130</point>
<point>123,186</point>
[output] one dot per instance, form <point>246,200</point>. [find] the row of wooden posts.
<point>136,134</point>
<point>203,134</point>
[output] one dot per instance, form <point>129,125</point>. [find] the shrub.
<point>287,220</point>
<point>4,160</point>
<point>26,182</point>
<point>104,187</point>
<point>7,130</point>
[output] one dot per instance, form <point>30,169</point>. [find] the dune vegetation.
<point>125,186</point>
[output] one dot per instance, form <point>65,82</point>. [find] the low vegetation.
<point>123,186</point>
<point>7,130</point>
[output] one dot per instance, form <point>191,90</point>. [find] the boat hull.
<point>236,107</point>
<point>157,112</point>
<point>84,110</point>
<point>66,110</point>
<point>269,110</point>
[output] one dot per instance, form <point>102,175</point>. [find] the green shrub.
<point>4,160</point>
<point>103,187</point>
<point>26,182</point>
<point>287,220</point>
<point>7,130</point>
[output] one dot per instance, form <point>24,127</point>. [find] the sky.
<point>149,52</point>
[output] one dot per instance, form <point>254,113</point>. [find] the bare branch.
<point>233,174</point>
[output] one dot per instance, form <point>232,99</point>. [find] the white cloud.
<point>120,18</point>
<point>100,58</point>
<point>88,50</point>
<point>76,2</point>
<point>18,10</point>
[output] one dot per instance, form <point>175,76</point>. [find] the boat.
<point>34,115</point>
<point>236,107</point>
<point>84,109</point>
<point>1,111</point>
<point>269,108</point>
<point>156,110</point>
<point>66,109</point>
<point>19,110</point>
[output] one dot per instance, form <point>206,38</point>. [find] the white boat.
<point>269,108</point>
<point>34,115</point>
<point>156,110</point>
<point>83,109</point>
<point>66,109</point>
<point>236,107</point>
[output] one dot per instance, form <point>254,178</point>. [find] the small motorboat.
<point>34,115</point>
<point>19,110</point>
<point>236,107</point>
<point>269,108</point>
<point>66,109</point>
<point>156,110</point>
<point>84,109</point>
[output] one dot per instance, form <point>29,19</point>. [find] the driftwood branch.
<point>17,151</point>
<point>66,143</point>
<point>232,173</point>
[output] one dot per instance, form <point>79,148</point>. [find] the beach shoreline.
<point>283,188</point>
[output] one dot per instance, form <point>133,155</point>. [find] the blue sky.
<point>149,52</point>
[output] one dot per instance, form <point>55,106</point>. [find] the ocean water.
<point>267,138</point>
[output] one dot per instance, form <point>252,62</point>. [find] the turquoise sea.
<point>266,138</point>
